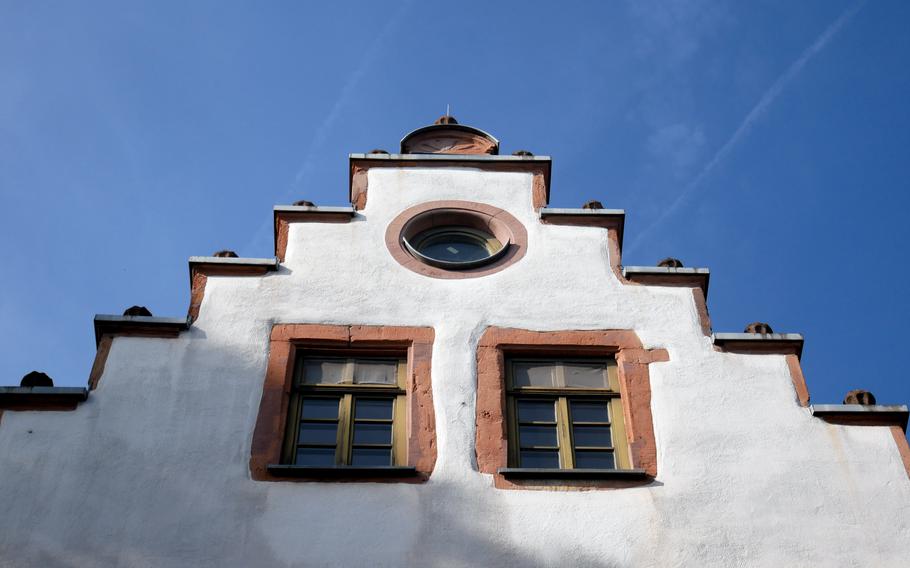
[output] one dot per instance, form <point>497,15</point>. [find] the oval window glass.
<point>455,247</point>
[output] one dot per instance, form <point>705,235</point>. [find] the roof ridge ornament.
<point>447,136</point>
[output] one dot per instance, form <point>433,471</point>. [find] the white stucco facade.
<point>153,469</point>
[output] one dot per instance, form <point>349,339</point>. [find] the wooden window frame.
<point>346,392</point>
<point>497,345</point>
<point>414,344</point>
<point>562,397</point>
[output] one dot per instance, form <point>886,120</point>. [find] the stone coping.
<point>605,218</point>
<point>863,415</point>
<point>317,210</point>
<point>669,276</point>
<point>449,158</point>
<point>539,166</point>
<point>783,343</point>
<point>266,263</point>
<point>552,211</point>
<point>147,326</point>
<point>41,398</point>
<point>664,270</point>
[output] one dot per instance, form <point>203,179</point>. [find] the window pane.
<point>537,436</point>
<point>592,436</point>
<point>535,458</point>
<point>534,374</point>
<point>589,411</point>
<point>375,372</point>
<point>320,408</point>
<point>373,408</point>
<point>316,456</point>
<point>586,375</point>
<point>594,460</point>
<point>323,371</point>
<point>318,433</point>
<point>371,456</point>
<point>536,411</point>
<point>371,433</point>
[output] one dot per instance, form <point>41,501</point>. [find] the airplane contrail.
<point>767,99</point>
<point>263,233</point>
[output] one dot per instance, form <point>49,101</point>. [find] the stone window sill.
<point>573,474</point>
<point>341,472</point>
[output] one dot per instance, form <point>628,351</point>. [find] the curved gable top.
<point>449,139</point>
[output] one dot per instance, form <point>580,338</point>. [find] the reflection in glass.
<point>540,458</point>
<point>536,411</point>
<point>371,456</point>
<point>323,371</point>
<point>537,436</point>
<point>533,375</point>
<point>316,456</point>
<point>594,460</point>
<point>372,433</point>
<point>318,433</point>
<point>375,372</point>
<point>589,411</point>
<point>586,375</point>
<point>320,408</point>
<point>592,436</point>
<point>373,408</point>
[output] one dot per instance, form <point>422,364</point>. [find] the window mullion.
<point>613,376</point>
<point>345,419</point>
<point>560,375</point>
<point>292,431</point>
<point>620,443</point>
<point>563,428</point>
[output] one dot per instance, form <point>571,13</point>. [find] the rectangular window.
<point>346,411</point>
<point>565,414</point>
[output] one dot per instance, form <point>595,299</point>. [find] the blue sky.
<point>765,140</point>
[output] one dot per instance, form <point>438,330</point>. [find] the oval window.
<point>455,247</point>
<point>456,239</point>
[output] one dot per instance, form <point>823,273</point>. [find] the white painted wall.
<point>153,469</point>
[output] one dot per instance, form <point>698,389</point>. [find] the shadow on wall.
<point>460,527</point>
<point>114,484</point>
<point>123,485</point>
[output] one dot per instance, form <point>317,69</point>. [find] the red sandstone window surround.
<point>415,445</point>
<point>498,346</point>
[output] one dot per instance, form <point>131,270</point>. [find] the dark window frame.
<point>562,398</point>
<point>347,394</point>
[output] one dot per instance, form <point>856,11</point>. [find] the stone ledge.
<point>777,343</point>
<point>283,215</point>
<point>863,415</point>
<point>539,166</point>
<point>41,398</point>
<point>544,473</point>
<point>217,261</point>
<point>448,158</point>
<point>143,326</point>
<point>341,472</point>
<point>669,276</point>
<point>604,218</point>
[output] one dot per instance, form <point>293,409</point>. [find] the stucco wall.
<point>153,469</point>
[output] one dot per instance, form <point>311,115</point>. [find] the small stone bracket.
<point>669,276</point>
